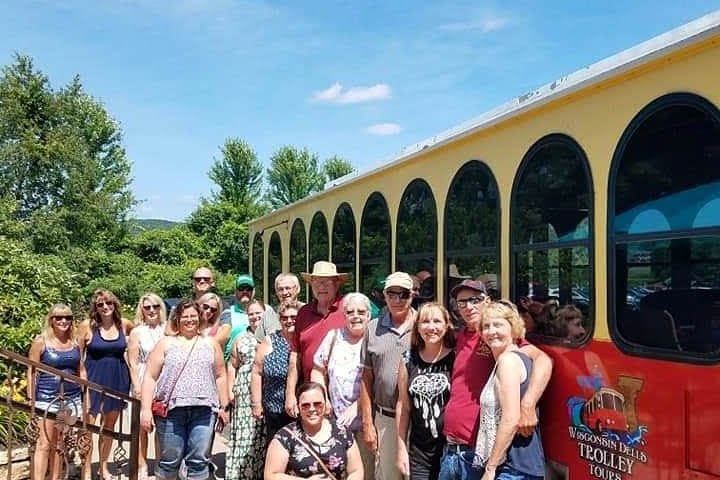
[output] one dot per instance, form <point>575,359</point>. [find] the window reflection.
<point>343,248</point>
<point>471,228</point>
<point>416,236</point>
<point>298,254</point>
<point>319,241</point>
<point>258,265</point>
<point>274,262</point>
<point>375,236</point>
<point>667,293</point>
<point>551,217</point>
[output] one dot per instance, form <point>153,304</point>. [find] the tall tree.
<point>61,161</point>
<point>336,167</point>
<point>238,174</point>
<point>293,174</point>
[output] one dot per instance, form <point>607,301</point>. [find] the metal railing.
<point>73,432</point>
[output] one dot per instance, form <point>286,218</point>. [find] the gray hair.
<point>290,276</point>
<point>357,296</point>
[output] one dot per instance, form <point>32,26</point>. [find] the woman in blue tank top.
<point>504,454</point>
<point>56,347</point>
<point>105,340</point>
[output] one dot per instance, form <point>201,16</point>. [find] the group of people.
<point>334,388</point>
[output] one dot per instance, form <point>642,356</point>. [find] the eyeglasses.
<point>306,406</point>
<point>464,302</point>
<point>404,295</point>
<point>147,308</point>
<point>244,288</point>
<point>207,308</point>
<point>288,317</point>
<point>359,313</point>
<point>67,318</point>
<point>104,304</point>
<point>203,279</point>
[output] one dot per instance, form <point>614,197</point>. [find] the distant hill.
<point>143,224</point>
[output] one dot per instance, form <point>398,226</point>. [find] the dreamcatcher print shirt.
<point>429,391</point>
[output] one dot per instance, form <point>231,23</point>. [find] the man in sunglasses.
<point>236,314</point>
<point>202,282</point>
<point>386,340</point>
<point>474,363</point>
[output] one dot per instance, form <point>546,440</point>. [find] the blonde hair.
<point>59,309</point>
<point>211,296</point>
<point>154,298</point>
<point>507,310</point>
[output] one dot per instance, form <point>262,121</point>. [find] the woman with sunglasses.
<point>210,309</point>
<point>104,338</point>
<point>423,391</point>
<point>185,372</point>
<point>56,347</point>
<point>313,446</point>
<point>270,370</point>
<point>498,450</point>
<point>150,324</point>
<point>246,445</point>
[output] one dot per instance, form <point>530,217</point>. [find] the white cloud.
<point>485,25</point>
<point>336,93</point>
<point>384,129</point>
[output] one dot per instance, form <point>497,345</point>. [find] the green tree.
<point>169,247</point>
<point>61,161</point>
<point>238,174</point>
<point>336,167</point>
<point>293,175</point>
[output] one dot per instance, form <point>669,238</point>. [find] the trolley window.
<point>343,246</point>
<point>319,241</point>
<point>416,248</point>
<point>551,222</point>
<point>274,262</point>
<point>298,254</point>
<point>375,238</point>
<point>665,231</point>
<point>258,265</point>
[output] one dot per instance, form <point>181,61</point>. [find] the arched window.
<point>343,248</point>
<point>258,265</point>
<point>274,263</point>
<point>298,254</point>
<point>375,241</point>
<point>472,228</point>
<point>550,220</point>
<point>416,250</point>
<point>319,241</point>
<point>664,239</point>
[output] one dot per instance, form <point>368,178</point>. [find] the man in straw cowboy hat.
<point>314,321</point>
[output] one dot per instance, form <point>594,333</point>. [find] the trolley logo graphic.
<point>604,424</point>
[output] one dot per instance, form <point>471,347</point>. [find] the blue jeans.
<point>505,472</point>
<point>457,464</point>
<point>186,433</point>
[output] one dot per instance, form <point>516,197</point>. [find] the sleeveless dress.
<point>525,454</point>
<point>275,370</point>
<point>148,338</point>
<point>105,365</point>
<point>246,446</point>
<point>49,388</point>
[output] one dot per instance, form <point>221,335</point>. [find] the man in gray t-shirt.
<point>386,340</point>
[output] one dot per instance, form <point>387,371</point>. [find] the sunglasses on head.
<point>147,308</point>
<point>106,303</point>
<point>306,406</point>
<point>207,307</point>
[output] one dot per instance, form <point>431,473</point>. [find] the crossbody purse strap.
<point>311,451</point>
<point>187,359</point>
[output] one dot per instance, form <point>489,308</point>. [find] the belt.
<point>385,411</point>
<point>457,448</point>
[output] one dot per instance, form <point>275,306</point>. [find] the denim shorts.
<point>73,404</point>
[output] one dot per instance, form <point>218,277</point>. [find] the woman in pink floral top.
<point>288,452</point>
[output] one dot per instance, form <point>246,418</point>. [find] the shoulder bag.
<point>159,407</point>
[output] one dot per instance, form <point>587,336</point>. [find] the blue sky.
<point>359,79</point>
